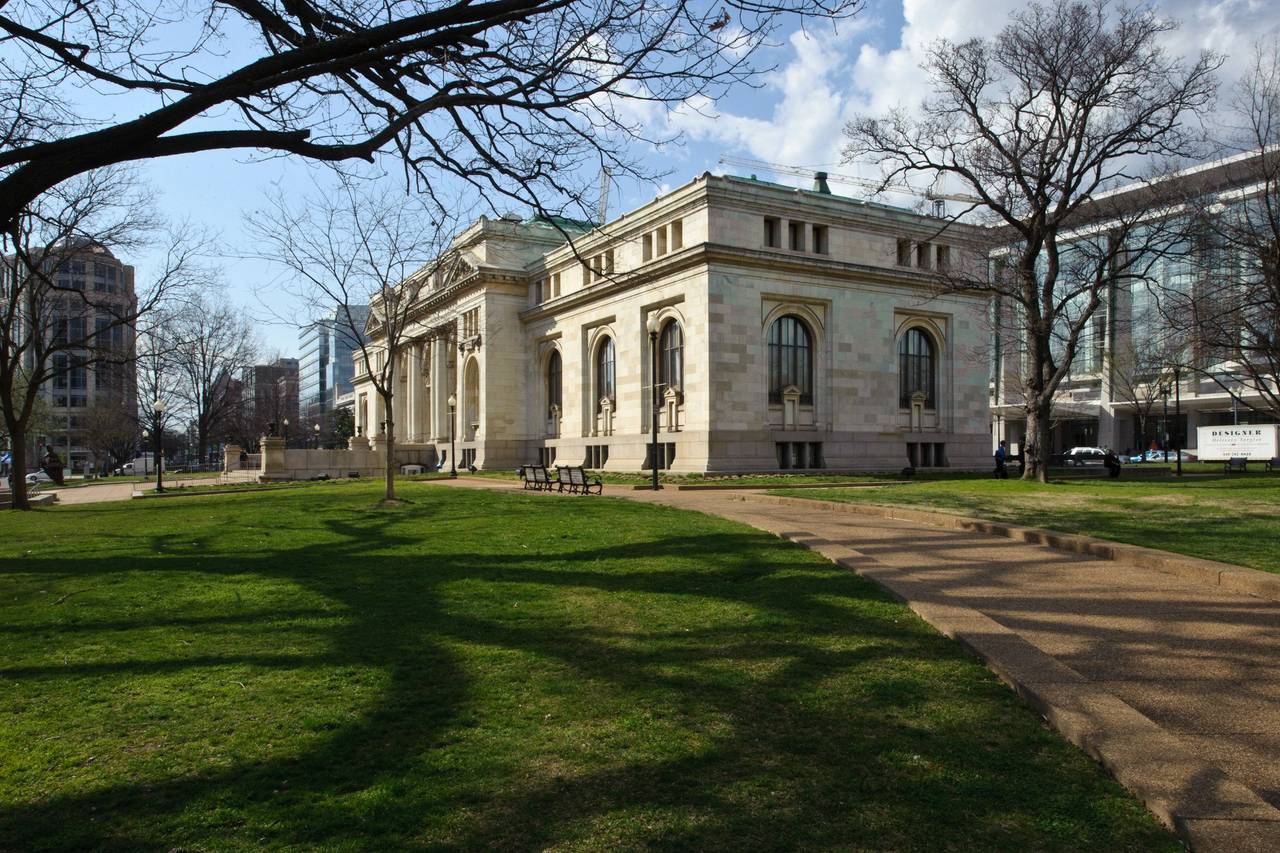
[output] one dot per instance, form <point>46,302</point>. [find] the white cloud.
<point>827,76</point>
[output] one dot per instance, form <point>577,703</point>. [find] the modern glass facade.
<point>313,370</point>
<point>325,359</point>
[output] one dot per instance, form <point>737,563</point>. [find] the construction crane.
<point>850,180</point>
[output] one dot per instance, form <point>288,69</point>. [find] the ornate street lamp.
<point>1177,415</point>
<point>453,406</point>
<point>652,326</point>
<point>286,432</point>
<point>158,407</point>
<point>1164,395</point>
<point>317,429</point>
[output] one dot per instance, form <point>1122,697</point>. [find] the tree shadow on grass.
<point>712,687</point>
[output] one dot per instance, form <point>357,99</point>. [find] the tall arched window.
<point>604,371</point>
<point>917,368</point>
<point>790,358</point>
<point>670,357</point>
<point>555,373</point>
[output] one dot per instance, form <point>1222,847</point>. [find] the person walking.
<point>1002,456</point>
<point>1112,462</point>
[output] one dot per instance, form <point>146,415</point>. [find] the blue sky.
<point>822,77</point>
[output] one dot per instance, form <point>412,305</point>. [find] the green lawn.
<point>1233,518</point>
<point>303,669</point>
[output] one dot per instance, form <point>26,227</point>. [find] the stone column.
<point>273,467</point>
<point>408,431</point>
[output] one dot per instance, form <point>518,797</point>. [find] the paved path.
<point>1172,685</point>
<point>101,492</point>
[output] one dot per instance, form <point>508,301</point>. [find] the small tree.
<point>111,431</point>
<point>1141,366</point>
<point>359,246</point>
<point>160,405</point>
<point>342,424</point>
<point>212,344</point>
<point>1036,124</point>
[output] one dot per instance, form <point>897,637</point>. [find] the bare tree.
<point>508,95</point>
<point>53,323</point>
<point>1230,316</point>
<point>160,405</point>
<point>212,344</point>
<point>1037,123</point>
<point>111,431</point>
<point>355,247</point>
<point>1142,363</point>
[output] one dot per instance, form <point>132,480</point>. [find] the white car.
<point>1080,456</point>
<point>35,478</point>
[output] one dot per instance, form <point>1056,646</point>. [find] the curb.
<point>1202,804</point>
<point>754,487</point>
<point>1226,576</point>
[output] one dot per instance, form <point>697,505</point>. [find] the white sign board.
<point>1255,442</point>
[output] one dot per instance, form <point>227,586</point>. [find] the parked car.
<point>1079,456</point>
<point>36,478</point>
<point>1158,456</point>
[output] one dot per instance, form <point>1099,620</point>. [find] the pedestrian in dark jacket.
<point>1002,456</point>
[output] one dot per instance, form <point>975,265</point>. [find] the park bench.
<point>1236,465</point>
<point>1273,464</point>
<point>573,479</point>
<point>537,478</point>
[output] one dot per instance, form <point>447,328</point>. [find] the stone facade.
<point>837,284</point>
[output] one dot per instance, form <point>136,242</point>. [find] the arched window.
<point>790,358</point>
<point>917,368</point>
<point>604,371</point>
<point>670,357</point>
<point>554,375</point>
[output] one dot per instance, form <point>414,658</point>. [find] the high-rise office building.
<point>325,360</point>
<point>93,349</point>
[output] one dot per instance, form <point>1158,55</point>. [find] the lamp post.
<point>1164,443</point>
<point>1177,415</point>
<point>285,423</point>
<point>652,326</point>
<point>158,407</point>
<point>453,407</point>
<point>317,429</point>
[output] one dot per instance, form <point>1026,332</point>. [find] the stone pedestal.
<point>231,457</point>
<point>273,466</point>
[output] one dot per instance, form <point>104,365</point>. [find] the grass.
<point>303,670</point>
<point>1235,518</point>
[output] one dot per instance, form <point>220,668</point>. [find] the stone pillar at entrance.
<point>272,466</point>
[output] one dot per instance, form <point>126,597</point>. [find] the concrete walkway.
<point>1171,684</point>
<point>108,491</point>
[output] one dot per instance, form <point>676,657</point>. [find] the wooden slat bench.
<point>537,478</point>
<point>573,479</point>
<point>1237,465</point>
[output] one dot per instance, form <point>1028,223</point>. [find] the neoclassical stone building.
<point>794,329</point>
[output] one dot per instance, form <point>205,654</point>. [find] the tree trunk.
<point>387,400</point>
<point>1035,453</point>
<point>18,466</point>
